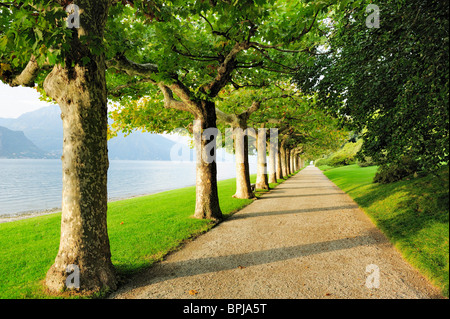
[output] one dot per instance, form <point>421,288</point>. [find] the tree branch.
<point>226,118</point>
<point>224,70</point>
<point>121,63</point>
<point>27,76</point>
<point>169,101</point>
<point>120,87</point>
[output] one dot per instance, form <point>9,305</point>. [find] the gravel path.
<point>304,239</point>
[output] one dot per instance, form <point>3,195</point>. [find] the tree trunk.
<point>207,197</point>
<point>279,170</point>
<point>243,185</point>
<point>262,181</point>
<point>284,170</point>
<point>288,166</point>
<point>291,161</point>
<point>272,161</point>
<point>81,93</point>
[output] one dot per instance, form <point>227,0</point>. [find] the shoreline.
<point>8,218</point>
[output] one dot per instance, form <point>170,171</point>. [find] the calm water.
<point>36,185</point>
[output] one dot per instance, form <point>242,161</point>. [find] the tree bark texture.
<point>288,166</point>
<point>279,170</point>
<point>262,181</point>
<point>272,162</point>
<point>291,161</point>
<point>80,91</point>
<point>284,170</point>
<point>207,198</point>
<point>243,185</point>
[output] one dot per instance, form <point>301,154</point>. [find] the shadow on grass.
<point>414,215</point>
<point>425,201</point>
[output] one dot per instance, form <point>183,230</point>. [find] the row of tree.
<point>388,81</point>
<point>170,63</point>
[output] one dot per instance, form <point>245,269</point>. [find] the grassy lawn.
<point>142,231</point>
<point>412,213</point>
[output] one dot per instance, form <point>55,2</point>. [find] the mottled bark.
<point>80,91</point>
<point>291,161</point>
<point>284,170</point>
<point>207,198</point>
<point>288,162</point>
<point>262,180</point>
<point>279,171</point>
<point>272,161</point>
<point>243,186</point>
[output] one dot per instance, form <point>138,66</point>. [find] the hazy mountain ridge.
<point>43,128</point>
<point>14,144</point>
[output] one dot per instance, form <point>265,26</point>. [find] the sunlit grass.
<point>413,214</point>
<point>142,230</point>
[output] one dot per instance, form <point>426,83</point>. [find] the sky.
<point>18,100</point>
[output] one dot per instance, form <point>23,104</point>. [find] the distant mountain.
<point>140,146</point>
<point>44,128</point>
<point>14,144</point>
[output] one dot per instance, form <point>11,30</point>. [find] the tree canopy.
<point>388,83</point>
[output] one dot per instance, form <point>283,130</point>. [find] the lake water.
<point>36,185</point>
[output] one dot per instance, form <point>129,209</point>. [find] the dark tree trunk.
<point>279,170</point>
<point>207,197</point>
<point>288,161</point>
<point>81,93</point>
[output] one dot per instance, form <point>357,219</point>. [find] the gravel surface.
<point>304,239</point>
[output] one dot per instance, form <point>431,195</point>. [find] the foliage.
<point>396,171</point>
<point>366,161</point>
<point>31,28</point>
<point>147,114</point>
<point>390,81</point>
<point>205,51</point>
<point>344,156</point>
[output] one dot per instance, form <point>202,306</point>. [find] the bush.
<point>394,172</point>
<point>322,161</point>
<point>345,156</point>
<point>366,161</point>
<point>341,159</point>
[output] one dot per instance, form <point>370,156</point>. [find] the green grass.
<point>142,231</point>
<point>412,213</point>
<point>325,167</point>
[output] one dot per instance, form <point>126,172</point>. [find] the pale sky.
<point>18,100</point>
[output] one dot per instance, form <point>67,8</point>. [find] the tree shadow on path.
<point>171,270</point>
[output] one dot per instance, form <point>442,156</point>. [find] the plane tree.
<point>190,50</point>
<point>235,108</point>
<point>302,128</point>
<point>67,64</point>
